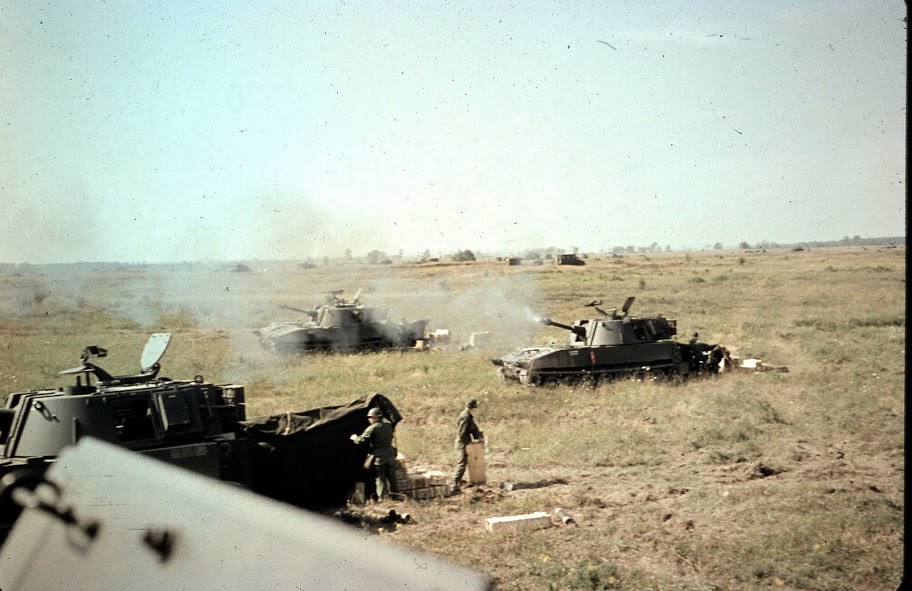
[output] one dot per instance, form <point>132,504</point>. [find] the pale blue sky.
<point>238,130</point>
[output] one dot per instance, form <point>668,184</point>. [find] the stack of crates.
<point>419,483</point>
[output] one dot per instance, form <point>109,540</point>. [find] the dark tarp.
<point>306,458</point>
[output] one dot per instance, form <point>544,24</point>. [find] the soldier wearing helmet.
<point>466,430</point>
<point>379,434</point>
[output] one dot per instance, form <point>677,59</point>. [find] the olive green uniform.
<point>380,437</point>
<point>466,429</point>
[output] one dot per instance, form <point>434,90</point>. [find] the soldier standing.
<point>380,436</point>
<point>466,430</point>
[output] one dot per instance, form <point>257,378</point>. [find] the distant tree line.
<point>464,256</point>
<point>376,257</point>
<point>767,244</point>
<point>844,241</point>
<point>630,249</point>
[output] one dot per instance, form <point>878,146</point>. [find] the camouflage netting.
<point>306,458</point>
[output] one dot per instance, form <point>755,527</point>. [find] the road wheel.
<point>527,379</point>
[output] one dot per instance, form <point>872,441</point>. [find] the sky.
<point>155,132</point>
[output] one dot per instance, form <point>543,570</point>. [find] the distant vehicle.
<point>569,259</point>
<point>341,325</point>
<point>609,346</point>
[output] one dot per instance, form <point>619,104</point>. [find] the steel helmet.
<point>375,412</point>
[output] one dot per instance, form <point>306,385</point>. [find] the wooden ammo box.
<point>475,451</point>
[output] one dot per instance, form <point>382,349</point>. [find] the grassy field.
<point>783,480</point>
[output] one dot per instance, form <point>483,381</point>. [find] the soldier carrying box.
<point>466,431</point>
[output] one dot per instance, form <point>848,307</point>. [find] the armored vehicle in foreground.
<point>303,458</point>
<point>191,423</point>
<point>341,325</point>
<point>612,345</point>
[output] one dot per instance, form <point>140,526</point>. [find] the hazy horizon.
<point>522,253</point>
<point>279,131</point>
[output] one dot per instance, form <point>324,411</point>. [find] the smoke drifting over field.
<point>238,299</point>
<point>495,305</point>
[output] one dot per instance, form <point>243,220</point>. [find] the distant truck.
<point>569,259</point>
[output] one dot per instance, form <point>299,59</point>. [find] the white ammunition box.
<point>530,521</point>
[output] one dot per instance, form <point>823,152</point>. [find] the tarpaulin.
<point>306,458</point>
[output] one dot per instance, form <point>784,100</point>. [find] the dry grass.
<point>792,481</point>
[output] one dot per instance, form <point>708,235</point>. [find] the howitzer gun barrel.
<point>577,330</point>
<point>293,309</point>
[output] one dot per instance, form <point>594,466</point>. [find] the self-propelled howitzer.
<point>341,325</point>
<point>611,345</point>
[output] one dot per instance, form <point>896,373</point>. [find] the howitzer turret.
<point>608,346</point>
